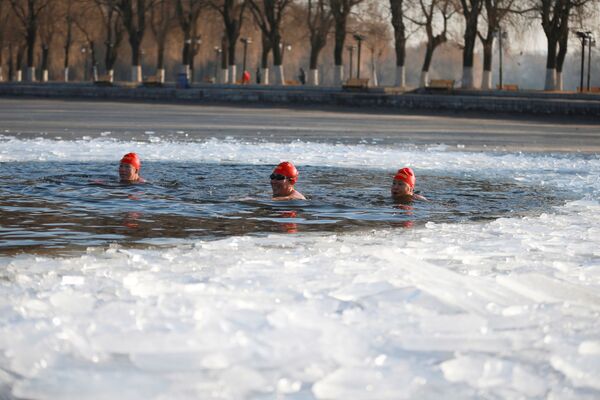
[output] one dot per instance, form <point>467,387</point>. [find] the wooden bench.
<point>356,83</point>
<point>509,87</point>
<point>593,89</point>
<point>292,82</point>
<point>152,81</point>
<point>103,80</point>
<point>446,84</point>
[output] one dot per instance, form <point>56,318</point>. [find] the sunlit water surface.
<point>63,205</point>
<point>197,285</point>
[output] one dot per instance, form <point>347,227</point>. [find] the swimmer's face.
<point>128,173</point>
<point>400,189</point>
<point>281,185</point>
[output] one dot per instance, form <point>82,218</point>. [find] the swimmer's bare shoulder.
<point>296,195</point>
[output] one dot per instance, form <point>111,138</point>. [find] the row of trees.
<point>104,25</point>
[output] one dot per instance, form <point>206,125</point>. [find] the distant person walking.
<point>245,78</point>
<point>302,76</point>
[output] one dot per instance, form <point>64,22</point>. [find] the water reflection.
<point>67,209</point>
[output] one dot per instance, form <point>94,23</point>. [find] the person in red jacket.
<point>403,186</point>
<point>245,78</point>
<point>283,179</point>
<point>129,169</point>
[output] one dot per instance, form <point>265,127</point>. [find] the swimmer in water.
<point>129,169</point>
<point>283,178</point>
<point>403,186</point>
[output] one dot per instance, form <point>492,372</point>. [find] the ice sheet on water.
<point>500,309</point>
<point>570,171</point>
<point>412,314</point>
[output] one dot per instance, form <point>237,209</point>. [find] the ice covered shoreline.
<point>501,309</point>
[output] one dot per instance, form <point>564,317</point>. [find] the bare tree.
<point>319,20</point>
<point>133,14</point>
<point>470,10</point>
<point>378,37</point>
<point>397,8</point>
<point>4,21</point>
<point>28,14</point>
<point>264,58</point>
<point>496,11</point>
<point>430,10</point>
<point>47,28</point>
<point>269,15</point>
<point>188,13</point>
<point>113,30</point>
<point>19,65</point>
<point>162,19</point>
<point>69,21</point>
<point>82,17</point>
<point>555,16</point>
<point>340,10</point>
<point>232,12</point>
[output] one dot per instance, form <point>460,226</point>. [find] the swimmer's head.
<point>132,159</point>
<point>129,168</point>
<point>404,182</point>
<point>287,170</point>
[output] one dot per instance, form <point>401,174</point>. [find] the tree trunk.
<point>428,56</point>
<point>400,76</point>
<point>338,52</point>
<point>560,59</point>
<point>45,55</point>
<point>486,81</point>
<point>550,83</point>
<point>313,77</point>
<point>470,37</point>
<point>424,79</point>
<point>399,40</point>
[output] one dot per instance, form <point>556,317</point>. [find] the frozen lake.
<point>492,290</point>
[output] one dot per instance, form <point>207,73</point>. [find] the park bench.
<point>103,80</point>
<point>356,83</point>
<point>593,89</point>
<point>152,81</point>
<point>446,84</point>
<point>292,82</point>
<point>509,87</point>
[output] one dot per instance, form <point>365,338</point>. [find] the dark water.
<point>73,205</point>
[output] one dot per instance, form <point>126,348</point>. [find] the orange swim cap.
<point>288,170</point>
<point>407,176</point>
<point>132,159</point>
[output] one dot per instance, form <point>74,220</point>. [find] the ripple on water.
<point>54,205</point>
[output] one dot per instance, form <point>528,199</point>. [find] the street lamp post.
<point>359,39</point>
<point>351,51</point>
<point>246,41</point>
<point>85,65</point>
<point>591,43</point>
<point>583,37</point>
<point>193,52</point>
<point>283,47</point>
<point>501,35</point>
<point>217,59</point>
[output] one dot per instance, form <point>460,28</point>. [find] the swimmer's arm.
<point>419,197</point>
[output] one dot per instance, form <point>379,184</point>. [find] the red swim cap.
<point>288,170</point>
<point>407,176</point>
<point>132,159</point>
